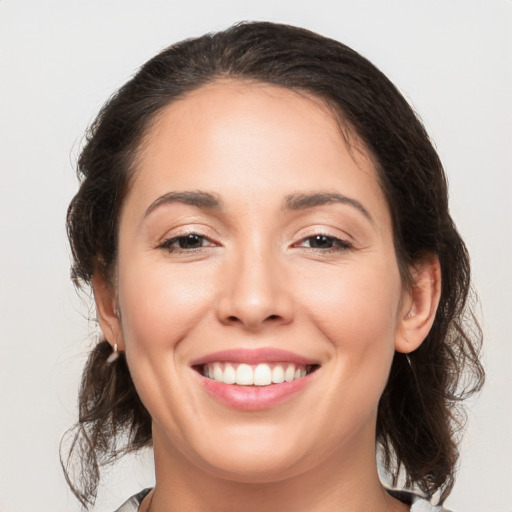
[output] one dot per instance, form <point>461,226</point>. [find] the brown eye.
<point>321,242</point>
<point>324,243</point>
<point>189,242</point>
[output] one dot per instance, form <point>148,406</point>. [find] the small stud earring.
<point>115,354</point>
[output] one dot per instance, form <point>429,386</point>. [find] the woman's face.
<point>255,244</point>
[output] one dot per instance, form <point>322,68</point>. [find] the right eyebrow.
<point>197,198</point>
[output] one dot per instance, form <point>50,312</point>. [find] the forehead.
<point>251,139</point>
<point>214,108</point>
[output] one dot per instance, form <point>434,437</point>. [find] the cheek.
<point>161,303</point>
<point>363,300</point>
<point>161,306</point>
<point>356,310</point>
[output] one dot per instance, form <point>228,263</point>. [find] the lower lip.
<point>253,398</point>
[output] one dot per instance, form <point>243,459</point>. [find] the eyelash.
<point>337,244</point>
<point>168,244</point>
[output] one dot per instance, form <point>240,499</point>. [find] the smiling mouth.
<point>262,374</point>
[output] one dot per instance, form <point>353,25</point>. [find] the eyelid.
<point>167,245</point>
<point>342,241</point>
<point>323,230</point>
<point>188,228</point>
<point>184,231</point>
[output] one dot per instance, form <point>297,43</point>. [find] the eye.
<point>324,243</point>
<point>188,242</point>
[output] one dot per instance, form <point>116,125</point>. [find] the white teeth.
<point>277,374</point>
<point>262,374</point>
<point>244,375</point>
<point>289,374</point>
<point>217,372</point>
<point>229,375</point>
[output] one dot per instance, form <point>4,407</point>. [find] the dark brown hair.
<point>419,415</point>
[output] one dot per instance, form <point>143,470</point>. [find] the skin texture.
<point>257,282</point>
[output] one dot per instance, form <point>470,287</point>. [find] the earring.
<point>115,354</point>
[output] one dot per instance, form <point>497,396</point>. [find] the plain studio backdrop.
<point>61,59</point>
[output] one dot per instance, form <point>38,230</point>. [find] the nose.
<point>255,292</point>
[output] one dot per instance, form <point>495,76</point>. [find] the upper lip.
<point>254,356</point>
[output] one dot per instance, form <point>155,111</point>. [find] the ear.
<point>107,310</point>
<point>419,305</point>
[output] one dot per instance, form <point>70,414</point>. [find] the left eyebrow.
<point>305,201</point>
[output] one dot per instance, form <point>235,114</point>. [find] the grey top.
<point>418,504</point>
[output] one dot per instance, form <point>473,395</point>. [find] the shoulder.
<point>133,503</point>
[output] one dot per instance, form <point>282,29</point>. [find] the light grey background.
<point>60,60</point>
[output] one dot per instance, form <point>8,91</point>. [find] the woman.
<point>280,286</point>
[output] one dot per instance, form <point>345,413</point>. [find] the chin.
<point>260,459</point>
<point>262,471</point>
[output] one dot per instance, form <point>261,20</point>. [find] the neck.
<point>345,482</point>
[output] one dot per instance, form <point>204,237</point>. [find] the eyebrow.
<point>305,201</point>
<point>299,201</point>
<point>194,198</point>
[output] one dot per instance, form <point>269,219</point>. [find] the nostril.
<point>273,317</point>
